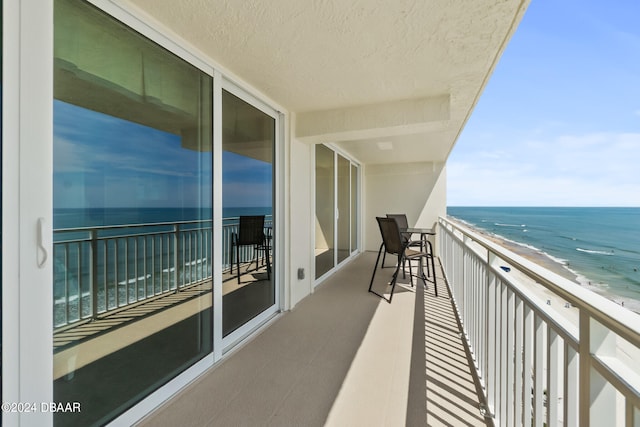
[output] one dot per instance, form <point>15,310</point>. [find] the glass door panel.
<point>344,209</point>
<point>132,197</point>
<point>325,210</point>
<point>354,208</point>
<point>248,144</point>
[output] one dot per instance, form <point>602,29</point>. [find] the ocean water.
<point>600,245</point>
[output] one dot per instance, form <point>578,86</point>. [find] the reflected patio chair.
<point>250,233</point>
<point>394,243</point>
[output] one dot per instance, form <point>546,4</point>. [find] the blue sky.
<point>559,122</point>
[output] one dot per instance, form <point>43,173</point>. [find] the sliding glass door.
<point>336,190</point>
<point>248,168</point>
<point>132,218</point>
<point>325,210</point>
<point>343,213</point>
<point>121,229</point>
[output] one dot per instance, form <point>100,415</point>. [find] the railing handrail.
<point>134,225</point>
<point>144,224</point>
<point>626,323</point>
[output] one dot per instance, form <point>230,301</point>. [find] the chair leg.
<point>427,244</point>
<point>393,279</point>
<point>238,261</point>
<point>393,282</point>
<point>433,267</point>
<point>384,255</point>
<point>266,255</point>
<point>375,268</point>
<point>256,254</point>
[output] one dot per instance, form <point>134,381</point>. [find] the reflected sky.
<point>100,161</point>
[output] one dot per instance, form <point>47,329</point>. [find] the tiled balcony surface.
<point>342,357</point>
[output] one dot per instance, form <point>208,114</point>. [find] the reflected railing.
<point>546,350</point>
<point>98,270</point>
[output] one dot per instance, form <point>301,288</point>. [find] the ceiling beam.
<point>375,120</point>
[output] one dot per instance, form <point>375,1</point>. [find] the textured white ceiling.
<point>316,55</point>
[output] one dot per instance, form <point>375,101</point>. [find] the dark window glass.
<point>248,144</point>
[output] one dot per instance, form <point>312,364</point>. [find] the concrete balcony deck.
<point>341,357</point>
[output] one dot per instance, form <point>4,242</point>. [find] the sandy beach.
<point>561,269</point>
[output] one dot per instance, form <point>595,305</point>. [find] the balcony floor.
<point>342,356</point>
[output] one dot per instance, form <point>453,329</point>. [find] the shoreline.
<point>560,268</point>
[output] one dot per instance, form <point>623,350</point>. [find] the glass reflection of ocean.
<point>601,245</point>
<point>137,271</point>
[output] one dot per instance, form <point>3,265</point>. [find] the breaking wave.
<point>590,251</point>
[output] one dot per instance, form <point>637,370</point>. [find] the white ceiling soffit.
<point>357,72</point>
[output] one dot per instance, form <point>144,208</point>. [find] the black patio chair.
<point>403,223</point>
<point>394,243</point>
<point>423,243</point>
<point>250,233</point>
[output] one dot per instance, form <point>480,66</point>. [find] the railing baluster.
<point>79,275</point>
<point>135,270</point>
<point>527,388</point>
<point>94,274</point>
<point>191,260</point>
<point>176,256</point>
<point>571,386</point>
<point>510,356</point>
<point>116,262</point>
<point>161,242</point>
<point>492,344</point>
<point>106,276</point>
<point>153,265</point>
<point>504,363</point>
<point>126,269</point>
<point>553,377</point>
<point>203,257</point>
<point>538,373</point>
<point>66,281</point>
<point>519,370</point>
<point>144,267</point>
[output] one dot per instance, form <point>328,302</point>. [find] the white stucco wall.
<point>300,204</point>
<point>416,189</point>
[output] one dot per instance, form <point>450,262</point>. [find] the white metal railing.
<point>102,269</point>
<point>547,351</point>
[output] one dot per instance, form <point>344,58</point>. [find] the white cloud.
<point>599,169</point>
